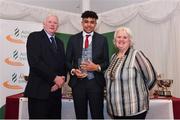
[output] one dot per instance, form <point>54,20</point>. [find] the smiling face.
<point>122,40</point>
<point>51,24</point>
<point>88,24</point>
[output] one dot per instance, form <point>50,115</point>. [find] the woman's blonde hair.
<point>127,30</point>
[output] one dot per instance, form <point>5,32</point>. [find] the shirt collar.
<point>84,33</point>
<point>49,36</point>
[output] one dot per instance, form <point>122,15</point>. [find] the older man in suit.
<point>88,82</point>
<point>46,58</point>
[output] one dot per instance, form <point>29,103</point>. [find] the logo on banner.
<point>17,36</point>
<point>15,82</point>
<point>16,58</point>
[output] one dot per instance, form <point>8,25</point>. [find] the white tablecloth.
<point>159,109</point>
<point>66,113</point>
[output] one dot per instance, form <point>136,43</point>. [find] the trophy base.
<point>164,93</point>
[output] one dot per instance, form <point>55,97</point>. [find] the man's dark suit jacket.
<point>99,56</point>
<point>44,64</point>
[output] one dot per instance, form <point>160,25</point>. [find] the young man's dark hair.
<point>89,14</point>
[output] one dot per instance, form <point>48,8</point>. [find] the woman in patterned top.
<point>129,78</point>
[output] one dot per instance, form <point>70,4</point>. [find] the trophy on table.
<point>164,86</point>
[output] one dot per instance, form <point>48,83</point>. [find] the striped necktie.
<point>53,43</point>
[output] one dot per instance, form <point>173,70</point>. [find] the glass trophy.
<point>81,61</point>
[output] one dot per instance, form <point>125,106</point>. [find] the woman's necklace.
<point>120,55</point>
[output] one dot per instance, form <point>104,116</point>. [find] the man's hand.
<point>89,66</point>
<point>59,81</point>
<point>79,73</point>
<point>54,88</point>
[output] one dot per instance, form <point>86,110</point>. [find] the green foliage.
<point>109,37</point>
<point>65,37</point>
<point>2,110</point>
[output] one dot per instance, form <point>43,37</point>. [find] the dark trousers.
<point>44,108</point>
<point>139,116</point>
<point>88,92</point>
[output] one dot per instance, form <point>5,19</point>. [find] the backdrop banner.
<point>13,60</point>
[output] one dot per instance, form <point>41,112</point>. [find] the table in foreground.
<point>159,109</point>
<point>16,107</point>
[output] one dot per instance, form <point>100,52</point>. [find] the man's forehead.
<point>89,19</point>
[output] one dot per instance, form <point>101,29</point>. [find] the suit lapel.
<point>45,38</point>
<point>80,45</point>
<point>94,45</point>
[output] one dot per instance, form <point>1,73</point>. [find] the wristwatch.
<point>72,71</point>
<point>99,68</point>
